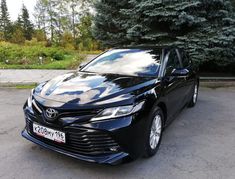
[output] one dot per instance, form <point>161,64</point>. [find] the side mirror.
<point>180,72</point>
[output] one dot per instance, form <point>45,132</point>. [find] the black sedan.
<point>114,108</point>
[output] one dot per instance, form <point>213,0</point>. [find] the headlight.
<point>120,111</point>
<point>30,100</point>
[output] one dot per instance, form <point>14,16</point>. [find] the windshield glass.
<point>134,62</point>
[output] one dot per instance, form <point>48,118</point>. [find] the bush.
<point>58,56</point>
<point>16,54</point>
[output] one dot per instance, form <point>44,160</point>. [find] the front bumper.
<point>106,159</point>
<point>127,133</point>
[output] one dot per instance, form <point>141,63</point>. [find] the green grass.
<point>31,86</point>
<point>18,86</point>
<point>70,62</point>
<point>94,52</point>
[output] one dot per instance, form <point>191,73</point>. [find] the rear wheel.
<point>193,100</point>
<point>154,133</point>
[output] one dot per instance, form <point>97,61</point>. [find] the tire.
<point>193,100</point>
<point>156,117</point>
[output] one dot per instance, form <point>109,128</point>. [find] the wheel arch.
<point>163,107</point>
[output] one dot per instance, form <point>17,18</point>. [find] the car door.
<point>190,78</point>
<point>173,87</point>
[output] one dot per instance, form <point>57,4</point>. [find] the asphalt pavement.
<point>200,143</point>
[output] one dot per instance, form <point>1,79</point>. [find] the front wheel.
<point>193,100</point>
<point>154,133</point>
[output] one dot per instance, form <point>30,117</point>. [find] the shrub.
<point>16,54</point>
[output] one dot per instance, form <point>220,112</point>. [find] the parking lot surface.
<point>200,143</point>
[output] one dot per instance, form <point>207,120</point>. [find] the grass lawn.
<point>25,86</point>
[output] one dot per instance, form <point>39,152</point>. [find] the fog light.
<point>113,149</point>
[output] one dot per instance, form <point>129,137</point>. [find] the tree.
<point>108,22</point>
<point>39,35</point>
<point>18,34</point>
<point>205,28</point>
<point>67,40</point>
<point>76,9</point>
<point>25,23</point>
<point>5,23</point>
<point>58,17</point>
<point>85,40</point>
<point>51,14</point>
<point>40,14</point>
<point>46,16</point>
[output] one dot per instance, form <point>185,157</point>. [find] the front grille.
<point>81,141</point>
<point>81,115</point>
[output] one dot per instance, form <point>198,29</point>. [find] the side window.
<point>185,60</point>
<point>173,62</point>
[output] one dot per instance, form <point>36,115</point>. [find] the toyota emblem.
<point>51,114</point>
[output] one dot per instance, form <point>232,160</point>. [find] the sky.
<point>14,7</point>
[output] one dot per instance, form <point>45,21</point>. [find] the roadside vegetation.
<point>37,56</point>
<point>64,30</point>
<point>59,38</point>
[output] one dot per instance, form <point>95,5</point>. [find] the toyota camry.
<point>114,108</point>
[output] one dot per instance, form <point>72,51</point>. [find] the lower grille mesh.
<point>81,141</point>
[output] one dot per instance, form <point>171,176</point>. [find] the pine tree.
<point>25,23</point>
<point>5,23</point>
<point>108,22</point>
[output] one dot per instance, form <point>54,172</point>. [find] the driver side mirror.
<point>180,72</point>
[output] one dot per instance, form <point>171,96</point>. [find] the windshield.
<point>134,62</point>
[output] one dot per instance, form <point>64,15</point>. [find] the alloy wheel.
<point>156,130</point>
<point>195,94</point>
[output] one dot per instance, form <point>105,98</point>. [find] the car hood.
<point>88,88</point>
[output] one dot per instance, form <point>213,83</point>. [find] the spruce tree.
<point>206,29</point>
<point>26,24</point>
<point>108,22</point>
<point>5,23</point>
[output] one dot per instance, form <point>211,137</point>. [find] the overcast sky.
<point>14,7</point>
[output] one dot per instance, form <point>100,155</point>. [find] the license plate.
<point>48,133</point>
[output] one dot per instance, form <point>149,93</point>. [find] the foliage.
<point>109,22</point>
<point>18,56</point>
<point>57,17</point>
<point>17,35</point>
<point>85,39</point>
<point>25,23</point>
<point>65,23</point>
<point>39,35</point>
<point>67,40</point>
<point>206,29</point>
<point>5,23</point>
